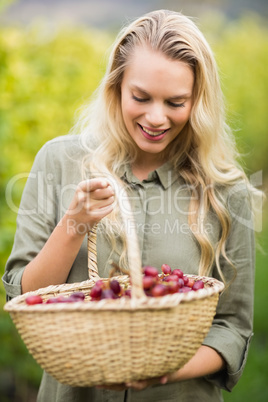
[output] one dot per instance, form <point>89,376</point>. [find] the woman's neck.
<point>141,169</point>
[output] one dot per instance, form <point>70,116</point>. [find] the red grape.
<point>177,272</point>
<point>52,300</point>
<point>100,283</point>
<point>62,299</point>
<point>159,290</point>
<point>150,271</point>
<point>166,269</point>
<point>198,285</point>
<point>148,282</point>
<point>173,287</point>
<point>78,296</point>
<point>171,278</point>
<point>181,282</point>
<point>34,299</point>
<point>185,279</point>
<point>191,282</point>
<point>108,294</point>
<point>115,286</point>
<point>95,292</point>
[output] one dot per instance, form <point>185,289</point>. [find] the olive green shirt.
<point>160,207</point>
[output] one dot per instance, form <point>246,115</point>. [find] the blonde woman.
<point>156,127</point>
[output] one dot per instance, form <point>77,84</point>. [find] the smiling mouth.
<point>152,133</point>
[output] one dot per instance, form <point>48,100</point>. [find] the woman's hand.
<point>206,361</point>
<point>93,200</point>
<point>142,384</point>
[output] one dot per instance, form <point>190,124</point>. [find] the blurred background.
<point>52,56</point>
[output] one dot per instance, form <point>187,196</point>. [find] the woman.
<point>157,126</point>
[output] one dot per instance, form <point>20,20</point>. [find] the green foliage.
<point>46,75</point>
<point>253,383</point>
<point>4,4</point>
<point>241,50</point>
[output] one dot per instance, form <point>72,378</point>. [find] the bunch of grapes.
<point>154,285</point>
<point>74,297</point>
<point>108,290</point>
<point>169,282</point>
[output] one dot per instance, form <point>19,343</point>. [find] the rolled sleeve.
<point>232,327</point>
<point>234,350</point>
<point>12,283</point>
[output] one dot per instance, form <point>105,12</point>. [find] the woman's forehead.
<point>149,70</point>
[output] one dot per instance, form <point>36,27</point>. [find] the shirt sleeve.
<point>36,220</point>
<point>232,327</point>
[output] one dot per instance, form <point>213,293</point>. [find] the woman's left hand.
<point>205,361</point>
<point>141,384</point>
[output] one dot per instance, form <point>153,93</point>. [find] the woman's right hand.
<point>93,200</point>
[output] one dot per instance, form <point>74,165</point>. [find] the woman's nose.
<point>156,115</point>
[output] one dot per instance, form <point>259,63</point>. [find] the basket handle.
<point>92,253</point>
<point>133,251</point>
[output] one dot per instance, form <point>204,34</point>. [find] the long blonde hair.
<point>204,154</point>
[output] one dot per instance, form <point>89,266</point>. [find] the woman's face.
<point>156,100</point>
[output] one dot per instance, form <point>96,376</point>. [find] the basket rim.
<point>214,286</point>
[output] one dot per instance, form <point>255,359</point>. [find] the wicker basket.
<point>114,341</point>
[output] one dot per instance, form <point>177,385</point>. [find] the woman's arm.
<point>206,361</point>
<point>92,201</point>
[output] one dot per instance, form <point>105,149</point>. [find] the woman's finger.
<point>93,184</point>
<point>142,384</point>
<point>100,194</point>
<point>92,206</point>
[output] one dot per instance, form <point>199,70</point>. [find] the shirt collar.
<point>165,175</point>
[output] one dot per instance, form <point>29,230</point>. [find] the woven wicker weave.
<point>114,341</point>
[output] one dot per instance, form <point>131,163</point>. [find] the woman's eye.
<point>136,98</point>
<point>172,104</point>
<point>176,104</point>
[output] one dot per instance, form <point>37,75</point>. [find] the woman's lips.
<point>152,134</point>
